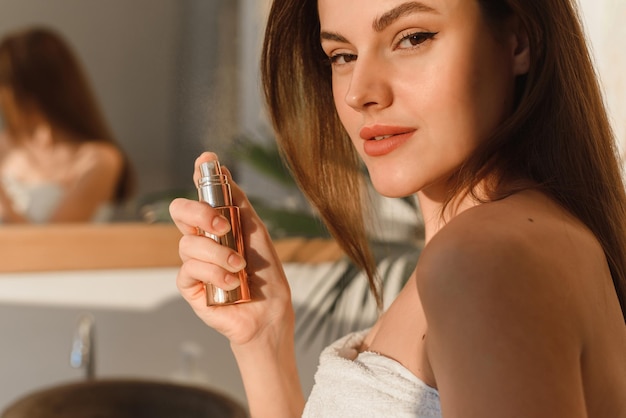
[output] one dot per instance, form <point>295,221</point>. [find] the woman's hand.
<point>268,318</point>
<point>261,332</point>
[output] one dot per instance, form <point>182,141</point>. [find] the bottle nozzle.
<point>211,169</point>
<point>213,185</point>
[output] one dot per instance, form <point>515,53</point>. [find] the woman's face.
<point>417,85</point>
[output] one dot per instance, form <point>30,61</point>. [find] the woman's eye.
<point>415,39</point>
<point>340,59</point>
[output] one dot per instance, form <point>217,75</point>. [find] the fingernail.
<point>236,261</point>
<point>232,280</point>
<point>221,225</point>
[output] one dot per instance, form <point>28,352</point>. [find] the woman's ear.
<point>520,47</point>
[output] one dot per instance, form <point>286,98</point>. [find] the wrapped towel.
<point>353,384</point>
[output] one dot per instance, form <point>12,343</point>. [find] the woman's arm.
<point>503,340</point>
<point>270,376</point>
<point>7,213</point>
<point>261,332</point>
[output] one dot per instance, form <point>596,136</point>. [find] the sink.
<point>124,398</point>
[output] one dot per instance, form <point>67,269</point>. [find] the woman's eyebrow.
<point>386,19</point>
<point>332,36</point>
<point>402,10</point>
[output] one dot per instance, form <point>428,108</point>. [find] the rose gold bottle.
<point>214,189</point>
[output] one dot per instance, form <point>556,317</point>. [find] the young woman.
<point>489,111</point>
<point>59,161</point>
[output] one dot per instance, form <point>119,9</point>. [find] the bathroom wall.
<point>604,23</point>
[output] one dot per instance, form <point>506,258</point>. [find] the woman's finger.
<point>189,215</point>
<point>194,271</point>
<point>207,250</point>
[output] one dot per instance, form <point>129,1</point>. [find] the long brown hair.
<point>41,72</point>
<point>558,136</point>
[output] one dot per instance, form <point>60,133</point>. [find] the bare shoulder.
<point>13,161</point>
<point>512,241</point>
<point>516,252</point>
<point>503,287</point>
<point>99,155</point>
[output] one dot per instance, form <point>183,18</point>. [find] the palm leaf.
<point>342,302</point>
<point>282,223</point>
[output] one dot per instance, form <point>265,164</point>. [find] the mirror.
<point>168,74</point>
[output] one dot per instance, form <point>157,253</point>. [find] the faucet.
<point>83,346</point>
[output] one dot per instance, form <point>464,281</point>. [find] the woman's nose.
<point>369,85</point>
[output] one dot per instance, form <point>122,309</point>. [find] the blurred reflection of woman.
<point>58,159</point>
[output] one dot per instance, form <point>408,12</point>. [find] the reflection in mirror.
<point>60,162</point>
<point>165,73</point>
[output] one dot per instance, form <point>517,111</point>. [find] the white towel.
<point>352,384</point>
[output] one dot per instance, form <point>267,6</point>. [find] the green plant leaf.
<point>264,158</point>
<point>283,223</point>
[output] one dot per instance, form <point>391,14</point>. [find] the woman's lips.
<point>381,140</point>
